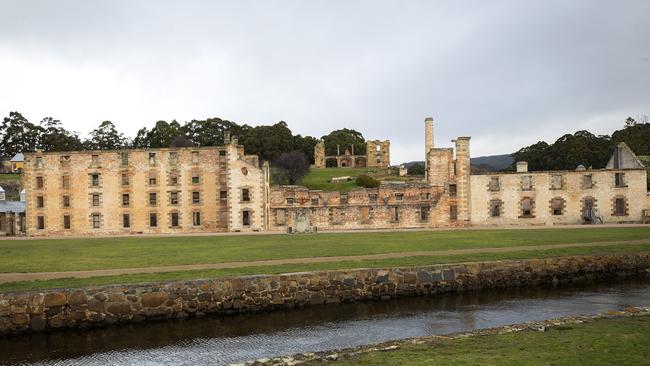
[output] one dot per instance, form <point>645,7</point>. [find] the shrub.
<point>367,181</point>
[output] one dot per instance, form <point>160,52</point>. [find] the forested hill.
<point>584,148</point>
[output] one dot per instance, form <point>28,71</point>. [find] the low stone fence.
<point>34,311</point>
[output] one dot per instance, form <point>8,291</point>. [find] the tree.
<point>181,141</point>
<point>636,136</point>
<point>106,137</point>
<point>415,169</point>
<point>268,142</point>
<point>53,137</point>
<point>294,165</point>
<point>18,135</point>
<point>344,138</point>
<point>210,132</point>
<point>305,144</point>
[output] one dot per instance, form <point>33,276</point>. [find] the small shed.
<point>12,216</point>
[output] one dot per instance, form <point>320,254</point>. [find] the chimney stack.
<point>522,166</point>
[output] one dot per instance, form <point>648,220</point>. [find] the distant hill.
<point>493,162</point>
<point>482,164</point>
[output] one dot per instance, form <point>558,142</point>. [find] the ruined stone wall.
<point>571,192</point>
<point>37,311</point>
<point>184,181</point>
<point>361,208</point>
<point>378,153</point>
<point>319,154</point>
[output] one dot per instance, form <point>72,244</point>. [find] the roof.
<point>18,157</point>
<point>13,206</point>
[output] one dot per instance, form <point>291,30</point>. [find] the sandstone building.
<point>219,189</point>
<point>173,190</point>
<point>377,155</point>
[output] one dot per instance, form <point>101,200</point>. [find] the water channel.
<point>224,340</point>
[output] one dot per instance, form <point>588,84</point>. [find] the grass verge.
<point>611,341</point>
<point>52,255</point>
<point>381,263</point>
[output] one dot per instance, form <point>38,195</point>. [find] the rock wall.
<point>24,312</point>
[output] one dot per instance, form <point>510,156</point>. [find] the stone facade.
<point>394,205</point>
<point>377,156</point>
<point>173,190</point>
<point>25,312</point>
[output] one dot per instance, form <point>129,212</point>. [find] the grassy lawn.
<point>613,341</point>
<point>319,178</point>
<point>278,269</point>
<point>9,178</point>
<point>128,252</point>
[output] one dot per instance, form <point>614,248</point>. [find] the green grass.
<point>379,263</point>
<point>48,255</point>
<point>9,178</point>
<point>612,341</point>
<point>318,178</point>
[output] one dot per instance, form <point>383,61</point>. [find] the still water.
<point>224,340</point>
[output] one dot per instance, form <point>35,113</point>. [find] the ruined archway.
<point>331,163</point>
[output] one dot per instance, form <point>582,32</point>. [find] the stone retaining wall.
<point>23,312</point>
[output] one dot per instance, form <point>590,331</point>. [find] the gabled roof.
<point>13,206</point>
<point>624,158</point>
<point>18,157</point>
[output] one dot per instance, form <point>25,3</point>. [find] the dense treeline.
<point>17,134</point>
<point>585,148</point>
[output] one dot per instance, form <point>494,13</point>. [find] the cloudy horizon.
<point>506,73</point>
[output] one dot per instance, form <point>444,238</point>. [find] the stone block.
<point>77,298</point>
<point>153,299</point>
<point>55,299</point>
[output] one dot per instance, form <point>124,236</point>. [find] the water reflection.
<point>222,340</point>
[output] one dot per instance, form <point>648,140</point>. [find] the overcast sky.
<point>507,73</point>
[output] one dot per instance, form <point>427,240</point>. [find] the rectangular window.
<point>619,180</point>
<point>399,196</point>
<point>495,208</point>
<point>619,207</point>
<point>126,220</point>
<point>152,159</point>
<point>557,206</point>
<point>40,222</point>
<point>223,195</point>
<point>153,220</point>
<point>173,157</point>
<point>195,178</point>
<point>372,198</point>
<point>174,219</point>
<point>556,181</point>
<point>526,207</point>
<point>152,198</point>
<point>453,190</point>
<point>588,181</point>
<point>96,222</point>
<point>196,197</point>
<point>395,214</point>
<point>65,160</point>
<point>245,195</point>
<point>66,201</point>
<point>289,200</point>
<point>125,179</point>
<point>195,157</point>
<point>246,219</point>
<point>94,180</point>
<point>124,157</point>
<point>95,198</point>
<point>66,221</point>
<point>280,217</point>
<point>94,160</point>
<point>424,213</point>
<point>453,212</point>
<point>39,182</point>
<point>196,218</point>
<point>65,182</point>
<point>526,183</point>
<point>173,198</point>
<point>494,184</point>
<point>39,161</point>
<point>315,201</point>
<point>222,152</point>
<point>40,202</point>
<point>152,181</point>
<point>125,199</point>
<point>173,178</point>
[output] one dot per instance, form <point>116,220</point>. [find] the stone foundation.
<point>24,312</point>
